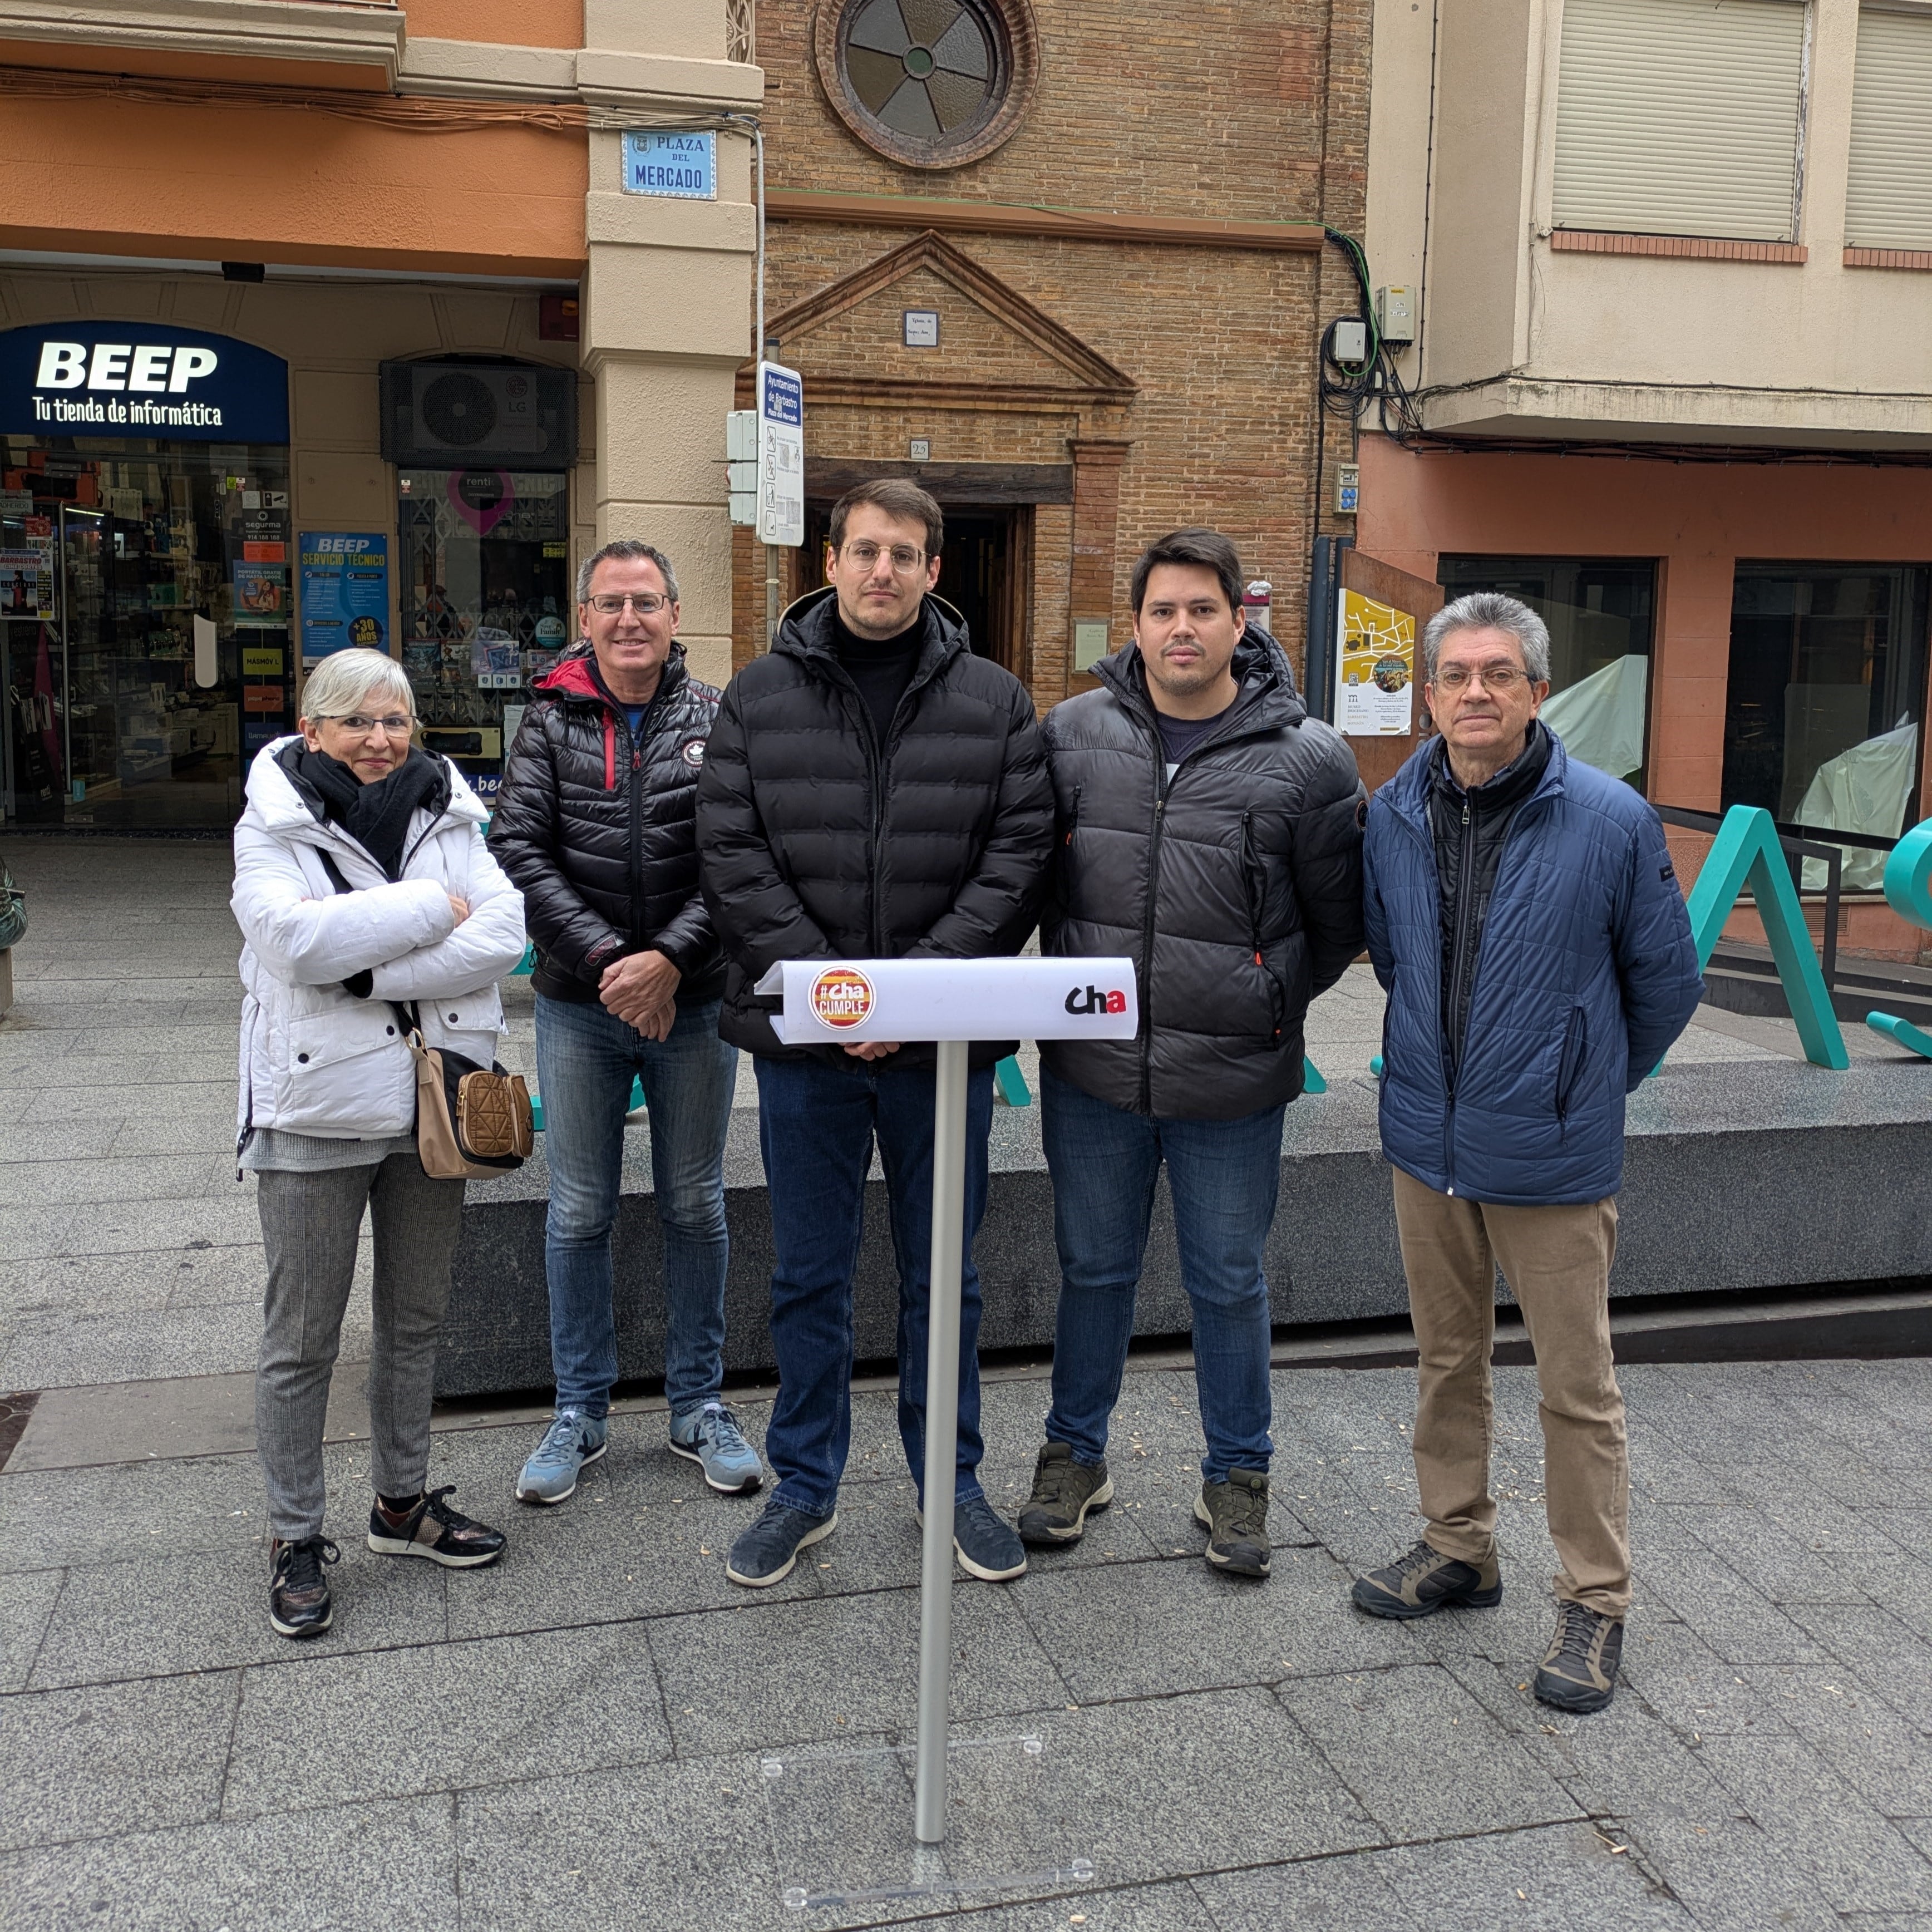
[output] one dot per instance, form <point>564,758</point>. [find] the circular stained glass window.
<point>932,83</point>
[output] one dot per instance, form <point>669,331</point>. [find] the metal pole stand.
<point>942,1436</point>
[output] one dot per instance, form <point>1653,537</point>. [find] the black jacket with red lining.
<point>597,829</point>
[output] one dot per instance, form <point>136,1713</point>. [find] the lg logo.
<point>149,368</point>
<point>1095,1001</point>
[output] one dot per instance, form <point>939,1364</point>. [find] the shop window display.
<point>486,602</point>
<point>144,628</point>
<point>1824,703</point>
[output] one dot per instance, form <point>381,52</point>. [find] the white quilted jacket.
<point>315,1059</point>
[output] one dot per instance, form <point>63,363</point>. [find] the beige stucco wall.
<point>1742,351</point>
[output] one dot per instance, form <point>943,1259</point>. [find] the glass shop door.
<point>486,603</point>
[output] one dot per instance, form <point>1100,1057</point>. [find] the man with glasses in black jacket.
<point>872,789</point>
<point>595,822</point>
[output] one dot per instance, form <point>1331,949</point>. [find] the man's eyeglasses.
<point>905,559</point>
<point>606,605</point>
<point>1499,679</point>
<point>357,726</point>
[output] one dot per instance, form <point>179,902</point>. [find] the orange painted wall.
<point>1697,519</point>
<point>519,23</point>
<point>279,185</point>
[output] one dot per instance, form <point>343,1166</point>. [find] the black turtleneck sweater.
<point>881,667</point>
<point>1472,828</point>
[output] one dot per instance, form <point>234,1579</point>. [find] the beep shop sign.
<point>140,379</point>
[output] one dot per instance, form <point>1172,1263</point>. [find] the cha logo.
<point>693,753</point>
<point>1093,1001</point>
<point>841,997</point>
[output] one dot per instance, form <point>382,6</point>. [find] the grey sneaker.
<point>1425,1581</point>
<point>572,1440</point>
<point>1235,1512</point>
<point>710,1437</point>
<point>1579,1671</point>
<point>1064,1491</point>
<point>764,1554</point>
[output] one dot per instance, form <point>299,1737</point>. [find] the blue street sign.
<point>683,167</point>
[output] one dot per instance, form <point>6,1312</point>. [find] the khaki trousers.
<point>1557,1262</point>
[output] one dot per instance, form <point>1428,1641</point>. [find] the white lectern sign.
<point>831,1001</point>
<point>951,1002</point>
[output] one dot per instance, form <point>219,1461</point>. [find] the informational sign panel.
<point>680,167</point>
<point>848,1000</point>
<point>1375,669</point>
<point>140,379</point>
<point>345,591</point>
<point>27,580</point>
<point>781,455</point>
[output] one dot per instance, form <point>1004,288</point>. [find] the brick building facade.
<point>1128,271</point>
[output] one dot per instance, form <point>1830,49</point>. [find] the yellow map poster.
<point>1374,678</point>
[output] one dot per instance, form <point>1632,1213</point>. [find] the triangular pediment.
<point>852,332</point>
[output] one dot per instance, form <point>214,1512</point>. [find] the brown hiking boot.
<point>1425,1581</point>
<point>1236,1514</point>
<point>1064,1491</point>
<point>1579,1671</point>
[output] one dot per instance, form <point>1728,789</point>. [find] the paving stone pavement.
<point>602,1731</point>
<point>583,1736</point>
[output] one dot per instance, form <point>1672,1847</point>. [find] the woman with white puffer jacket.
<point>362,883</point>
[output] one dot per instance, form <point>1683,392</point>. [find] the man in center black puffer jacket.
<point>873,790</point>
<point>596,823</point>
<point>1212,831</point>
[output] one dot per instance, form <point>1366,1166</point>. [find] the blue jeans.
<point>817,1124</point>
<point>587,1058</point>
<point>1224,1176</point>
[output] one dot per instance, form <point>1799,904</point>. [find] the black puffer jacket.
<point>820,844</point>
<point>597,829</point>
<point>1235,887</point>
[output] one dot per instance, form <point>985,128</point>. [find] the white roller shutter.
<point>1888,196</point>
<point>1680,117</point>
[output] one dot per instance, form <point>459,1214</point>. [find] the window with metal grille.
<point>1680,117</point>
<point>1888,195</point>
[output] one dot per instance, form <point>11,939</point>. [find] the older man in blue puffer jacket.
<point>1524,917</point>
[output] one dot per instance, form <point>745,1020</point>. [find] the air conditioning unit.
<point>457,415</point>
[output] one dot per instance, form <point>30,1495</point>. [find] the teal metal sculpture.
<point>1908,890</point>
<point>1745,855</point>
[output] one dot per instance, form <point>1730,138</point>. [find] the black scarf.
<point>376,816</point>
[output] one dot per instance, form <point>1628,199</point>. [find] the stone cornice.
<point>1078,224</point>
<point>369,36</point>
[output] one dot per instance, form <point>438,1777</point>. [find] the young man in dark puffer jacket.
<point>595,822</point>
<point>872,791</point>
<point>1211,831</point>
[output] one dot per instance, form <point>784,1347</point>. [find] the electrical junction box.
<point>1348,488</point>
<point>741,451</point>
<point>1395,316</point>
<point>1351,342</point>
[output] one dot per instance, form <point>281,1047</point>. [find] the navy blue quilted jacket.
<point>1587,972</point>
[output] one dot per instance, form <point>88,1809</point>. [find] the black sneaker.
<point>764,1554</point>
<point>1064,1491</point>
<point>298,1601</point>
<point>1235,1512</point>
<point>1579,1671</point>
<point>984,1543</point>
<point>1425,1581</point>
<point>434,1530</point>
